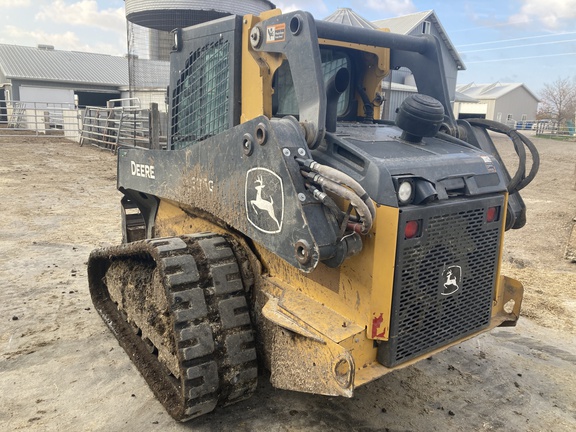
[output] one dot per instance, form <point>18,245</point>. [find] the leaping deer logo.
<point>264,200</point>
<point>451,280</point>
<point>260,204</point>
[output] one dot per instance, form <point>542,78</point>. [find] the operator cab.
<point>345,66</point>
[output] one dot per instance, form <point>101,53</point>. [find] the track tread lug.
<point>222,275</point>
<point>235,346</point>
<point>200,409</point>
<point>208,372</point>
<point>171,244</point>
<point>203,341</point>
<point>197,305</point>
<point>216,248</point>
<point>194,296</point>
<point>180,270</point>
<point>230,318</point>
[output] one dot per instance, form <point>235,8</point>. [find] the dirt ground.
<point>62,370</point>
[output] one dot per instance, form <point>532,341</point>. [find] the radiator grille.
<point>201,98</point>
<point>456,244</point>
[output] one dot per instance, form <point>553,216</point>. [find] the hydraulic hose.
<point>359,205</point>
<point>520,180</point>
<point>326,200</point>
<point>342,179</point>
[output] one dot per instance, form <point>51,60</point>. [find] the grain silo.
<point>149,24</point>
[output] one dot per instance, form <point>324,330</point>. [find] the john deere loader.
<point>286,227</point>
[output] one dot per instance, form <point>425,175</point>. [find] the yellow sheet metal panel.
<point>361,289</point>
<point>171,220</point>
<point>504,293</point>
<point>384,260</point>
<point>257,72</point>
<point>309,314</point>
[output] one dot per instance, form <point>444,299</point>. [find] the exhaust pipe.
<point>334,89</point>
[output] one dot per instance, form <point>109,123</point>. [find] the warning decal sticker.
<point>276,33</point>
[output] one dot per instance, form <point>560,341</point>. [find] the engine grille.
<point>444,279</point>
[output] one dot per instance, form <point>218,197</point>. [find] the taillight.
<point>412,229</point>
<point>492,214</point>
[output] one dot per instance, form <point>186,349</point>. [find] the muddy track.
<point>177,307</point>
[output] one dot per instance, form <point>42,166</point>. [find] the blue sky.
<point>529,41</point>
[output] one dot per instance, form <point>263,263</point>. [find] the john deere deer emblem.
<point>451,280</point>
<point>264,200</point>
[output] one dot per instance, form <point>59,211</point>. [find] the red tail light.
<point>412,229</point>
<point>492,214</point>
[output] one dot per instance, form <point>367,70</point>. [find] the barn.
<point>46,75</point>
<point>511,103</point>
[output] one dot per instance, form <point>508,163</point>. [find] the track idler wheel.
<point>178,308</point>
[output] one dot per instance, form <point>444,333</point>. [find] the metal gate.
<point>39,119</point>
<point>127,124</point>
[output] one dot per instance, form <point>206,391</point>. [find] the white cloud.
<point>5,4</point>
<point>67,41</point>
<point>285,7</point>
<point>83,13</point>
<point>553,14</point>
<point>18,36</point>
<point>392,7</point>
<point>316,7</point>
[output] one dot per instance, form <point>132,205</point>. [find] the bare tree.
<point>558,101</point>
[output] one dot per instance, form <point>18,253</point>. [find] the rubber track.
<point>209,317</point>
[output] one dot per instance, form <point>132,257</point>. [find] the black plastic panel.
<point>445,278</point>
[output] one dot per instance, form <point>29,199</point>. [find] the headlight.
<point>405,192</point>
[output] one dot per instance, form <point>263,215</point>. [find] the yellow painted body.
<point>318,330</point>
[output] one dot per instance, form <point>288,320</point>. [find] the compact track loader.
<point>287,226</point>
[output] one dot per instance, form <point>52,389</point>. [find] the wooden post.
<point>154,121</point>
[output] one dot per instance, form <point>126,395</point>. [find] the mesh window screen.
<point>200,100</point>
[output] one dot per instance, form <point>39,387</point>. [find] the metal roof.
<point>403,24</point>
<point>408,23</point>
<point>46,64</point>
<point>461,97</point>
<point>72,67</point>
<point>491,91</point>
<point>349,17</point>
